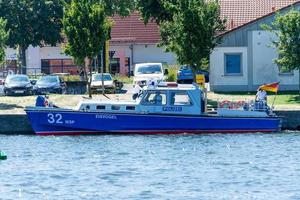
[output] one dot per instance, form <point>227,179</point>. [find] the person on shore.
<point>81,74</point>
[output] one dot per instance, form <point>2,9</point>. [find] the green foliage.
<point>3,39</point>
<point>158,10</point>
<point>191,33</point>
<point>121,7</point>
<point>287,29</point>
<point>172,76</point>
<point>32,22</point>
<point>86,27</point>
<point>187,27</point>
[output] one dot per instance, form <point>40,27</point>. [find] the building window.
<point>50,66</point>
<point>233,64</point>
<point>115,65</point>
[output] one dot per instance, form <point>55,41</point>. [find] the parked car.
<point>49,84</point>
<point>17,84</point>
<point>109,85</point>
<point>185,74</point>
<point>145,72</point>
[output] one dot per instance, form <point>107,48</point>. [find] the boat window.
<point>87,107</point>
<point>180,99</point>
<point>101,107</point>
<point>130,107</point>
<point>114,107</point>
<point>155,98</point>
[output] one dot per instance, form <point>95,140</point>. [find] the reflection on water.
<point>250,166</point>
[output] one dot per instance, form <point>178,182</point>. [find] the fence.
<point>71,70</point>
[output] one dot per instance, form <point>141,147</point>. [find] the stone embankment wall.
<point>291,119</point>
<point>15,124</point>
<point>19,124</point>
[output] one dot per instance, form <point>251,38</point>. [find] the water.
<point>251,166</point>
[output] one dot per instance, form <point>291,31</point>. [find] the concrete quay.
<point>15,124</point>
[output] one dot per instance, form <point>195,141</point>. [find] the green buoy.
<point>3,156</point>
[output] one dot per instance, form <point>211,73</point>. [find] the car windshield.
<point>15,79</point>
<point>149,69</point>
<point>98,77</point>
<point>47,79</point>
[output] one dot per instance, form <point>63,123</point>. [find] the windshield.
<point>149,69</point>
<point>18,79</point>
<point>47,79</point>
<point>98,77</point>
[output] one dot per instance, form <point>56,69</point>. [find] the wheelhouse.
<point>166,99</point>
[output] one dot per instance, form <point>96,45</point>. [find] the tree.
<point>158,10</point>
<point>3,40</point>
<point>191,32</point>
<point>29,22</point>
<point>87,28</point>
<point>287,30</point>
<point>120,7</point>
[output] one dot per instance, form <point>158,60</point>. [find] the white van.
<point>145,72</point>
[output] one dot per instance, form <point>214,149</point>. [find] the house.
<point>242,62</point>
<point>244,58</point>
<point>131,42</point>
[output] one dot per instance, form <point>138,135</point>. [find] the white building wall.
<point>53,53</point>
<point>10,54</point>
<point>217,68</point>
<point>33,60</point>
<point>264,68</point>
<point>152,53</point>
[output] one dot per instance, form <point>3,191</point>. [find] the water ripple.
<point>249,166</point>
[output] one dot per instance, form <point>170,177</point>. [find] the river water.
<point>249,166</point>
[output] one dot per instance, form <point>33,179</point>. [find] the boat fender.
<point>225,104</point>
<point>3,156</point>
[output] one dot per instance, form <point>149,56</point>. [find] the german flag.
<point>271,87</point>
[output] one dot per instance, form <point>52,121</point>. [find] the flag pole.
<point>274,100</point>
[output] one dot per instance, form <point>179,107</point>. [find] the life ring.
<point>225,104</point>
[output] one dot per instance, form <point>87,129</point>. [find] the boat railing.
<point>260,106</point>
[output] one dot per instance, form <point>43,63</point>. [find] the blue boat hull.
<point>56,122</point>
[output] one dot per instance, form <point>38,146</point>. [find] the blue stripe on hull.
<point>60,122</point>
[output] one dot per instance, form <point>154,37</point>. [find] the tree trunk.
<point>88,79</point>
<point>102,78</point>
<point>21,59</point>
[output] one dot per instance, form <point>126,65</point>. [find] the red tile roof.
<point>133,30</point>
<point>237,12</point>
<point>240,12</point>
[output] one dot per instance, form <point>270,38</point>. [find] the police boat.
<point>167,108</point>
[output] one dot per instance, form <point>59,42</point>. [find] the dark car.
<point>17,84</point>
<point>49,84</point>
